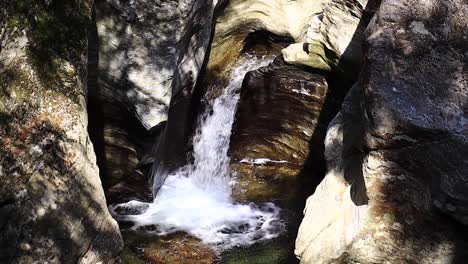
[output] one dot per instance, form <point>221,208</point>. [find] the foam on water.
<point>197,197</point>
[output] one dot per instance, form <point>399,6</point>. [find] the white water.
<point>197,197</point>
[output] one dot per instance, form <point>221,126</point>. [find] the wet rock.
<point>280,124</point>
<point>172,249</point>
<point>401,145</point>
<point>52,206</point>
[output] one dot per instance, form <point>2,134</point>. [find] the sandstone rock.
<point>333,37</point>
<point>329,44</point>
<point>314,55</point>
<point>403,144</point>
<point>52,206</point>
<point>336,212</point>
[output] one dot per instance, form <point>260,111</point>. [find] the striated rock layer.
<point>397,152</point>
<point>280,124</point>
<point>52,206</point>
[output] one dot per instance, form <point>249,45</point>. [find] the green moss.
<point>318,48</point>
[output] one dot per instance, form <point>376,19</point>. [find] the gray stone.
<point>139,53</point>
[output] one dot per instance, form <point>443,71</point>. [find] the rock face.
<point>280,125</point>
<point>52,206</point>
<point>397,152</point>
<point>327,34</point>
<point>173,144</point>
<point>139,52</point>
<point>333,37</point>
<point>150,56</point>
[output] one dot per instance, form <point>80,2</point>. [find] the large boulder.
<point>280,124</point>
<point>397,152</point>
<point>52,206</point>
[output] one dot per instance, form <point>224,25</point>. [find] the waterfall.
<point>196,198</point>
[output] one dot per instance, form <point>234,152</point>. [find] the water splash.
<point>197,197</point>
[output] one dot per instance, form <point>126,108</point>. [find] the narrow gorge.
<point>233,131</point>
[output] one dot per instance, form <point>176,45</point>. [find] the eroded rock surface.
<point>284,109</point>
<point>281,121</point>
<point>402,138</point>
<point>327,34</point>
<point>239,18</point>
<point>52,206</point>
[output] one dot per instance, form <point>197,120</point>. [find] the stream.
<point>196,199</point>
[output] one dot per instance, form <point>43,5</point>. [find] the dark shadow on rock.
<point>410,101</point>
<point>340,81</point>
<point>118,136</point>
<point>171,150</point>
<point>116,104</point>
<point>263,42</point>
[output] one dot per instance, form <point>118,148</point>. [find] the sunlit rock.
<point>239,18</point>
<point>325,32</point>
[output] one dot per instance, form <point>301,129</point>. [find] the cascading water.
<point>197,197</point>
